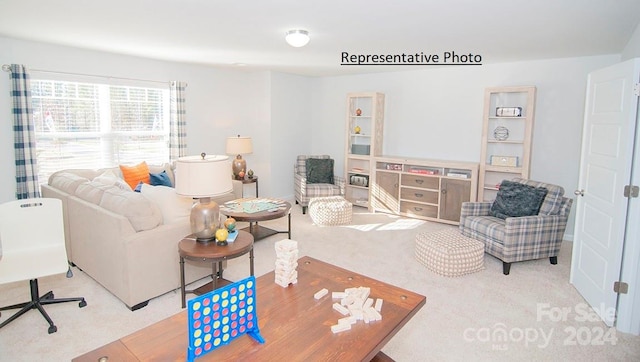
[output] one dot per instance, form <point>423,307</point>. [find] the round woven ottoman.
<point>447,252</point>
<point>330,210</point>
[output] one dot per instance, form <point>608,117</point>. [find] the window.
<point>90,125</point>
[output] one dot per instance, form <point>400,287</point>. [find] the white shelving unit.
<point>364,129</point>
<point>506,137</point>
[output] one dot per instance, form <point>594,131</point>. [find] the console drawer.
<point>420,181</point>
<point>420,195</point>
<point>420,210</point>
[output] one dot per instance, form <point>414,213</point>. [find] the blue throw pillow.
<point>160,179</point>
<point>515,199</point>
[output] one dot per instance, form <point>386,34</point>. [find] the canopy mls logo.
<point>446,58</point>
<point>581,325</point>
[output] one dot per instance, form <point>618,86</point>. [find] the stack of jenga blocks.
<point>286,262</point>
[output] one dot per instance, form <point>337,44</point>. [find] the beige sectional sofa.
<point>125,240</point>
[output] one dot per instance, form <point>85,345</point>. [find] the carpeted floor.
<point>533,314</point>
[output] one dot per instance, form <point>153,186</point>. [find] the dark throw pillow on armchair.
<point>319,170</point>
<point>515,199</point>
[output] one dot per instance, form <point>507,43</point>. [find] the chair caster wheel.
<point>53,329</point>
<point>82,304</point>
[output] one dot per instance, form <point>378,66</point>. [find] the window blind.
<point>94,125</point>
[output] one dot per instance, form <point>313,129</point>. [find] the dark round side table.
<point>190,249</point>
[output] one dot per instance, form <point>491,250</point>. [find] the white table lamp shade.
<point>239,145</point>
<point>197,177</point>
<point>203,177</point>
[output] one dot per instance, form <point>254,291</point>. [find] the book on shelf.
<point>457,174</point>
<point>232,236</point>
<point>423,171</point>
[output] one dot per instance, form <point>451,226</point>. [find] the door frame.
<point>627,317</point>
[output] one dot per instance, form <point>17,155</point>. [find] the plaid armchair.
<point>305,192</point>
<point>520,238</point>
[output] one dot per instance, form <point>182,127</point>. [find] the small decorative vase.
<point>250,174</point>
<point>501,133</point>
<point>358,112</point>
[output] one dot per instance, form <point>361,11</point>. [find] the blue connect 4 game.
<point>218,317</point>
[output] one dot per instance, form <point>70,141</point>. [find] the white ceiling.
<point>251,32</point>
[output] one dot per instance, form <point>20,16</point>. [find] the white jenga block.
<point>289,258</point>
<point>365,317</point>
<point>348,300</point>
<point>357,314</point>
<point>342,310</point>
<point>364,292</point>
<point>351,290</point>
<point>286,253</point>
<point>285,264</point>
<point>372,314</point>
<point>350,320</point>
<point>377,314</point>
<point>337,328</point>
<point>282,280</point>
<point>378,306</point>
<point>283,251</point>
<point>286,244</point>
<point>368,303</point>
<point>354,308</point>
<point>286,273</point>
<point>321,293</point>
<point>286,281</point>
<point>337,295</point>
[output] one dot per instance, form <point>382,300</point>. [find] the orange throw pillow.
<point>133,175</point>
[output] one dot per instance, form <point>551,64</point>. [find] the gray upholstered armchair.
<point>514,239</point>
<point>305,190</point>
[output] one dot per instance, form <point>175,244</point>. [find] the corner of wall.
<point>632,49</point>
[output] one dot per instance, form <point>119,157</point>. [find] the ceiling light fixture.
<point>297,38</point>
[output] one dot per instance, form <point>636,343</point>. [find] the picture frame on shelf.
<point>508,111</point>
<point>506,161</point>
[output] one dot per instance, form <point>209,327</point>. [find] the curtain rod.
<point>7,68</point>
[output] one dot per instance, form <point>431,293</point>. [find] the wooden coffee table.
<point>189,248</point>
<point>294,325</point>
<point>258,231</point>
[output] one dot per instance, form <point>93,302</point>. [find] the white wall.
<point>432,113</point>
<point>437,113</point>
<point>632,49</point>
<point>220,103</point>
<point>290,129</point>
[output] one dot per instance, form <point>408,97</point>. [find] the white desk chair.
<point>32,238</point>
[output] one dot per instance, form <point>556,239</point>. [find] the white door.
<point>605,168</point>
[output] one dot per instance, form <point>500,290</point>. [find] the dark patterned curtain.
<point>177,122</point>
<point>24,135</point>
